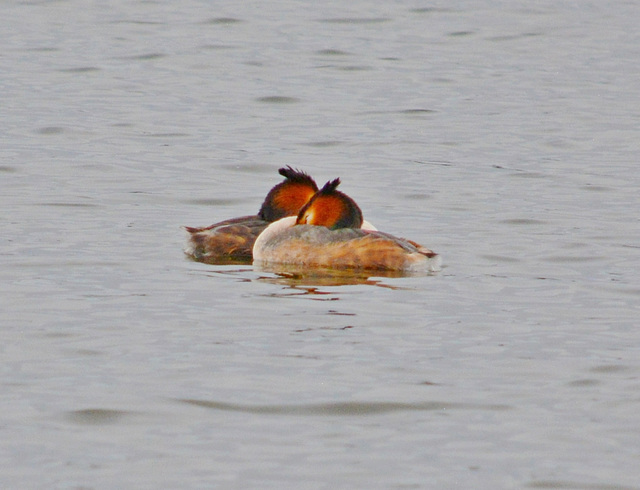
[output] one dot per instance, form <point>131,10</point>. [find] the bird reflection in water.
<point>299,281</point>
<point>310,280</point>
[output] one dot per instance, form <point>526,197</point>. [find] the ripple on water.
<point>323,144</point>
<point>413,112</point>
<point>583,383</point>
<point>575,484</point>
<point>608,369</point>
<point>563,259</point>
<point>332,52</point>
<point>222,21</point>
<point>213,202</point>
<point>48,130</point>
<point>80,69</point>
<point>431,10</point>
<point>523,221</point>
<point>355,20</point>
<point>97,416</point>
<point>341,408</point>
<point>278,99</point>
<point>68,205</point>
<point>145,56</point>
<point>501,258</point>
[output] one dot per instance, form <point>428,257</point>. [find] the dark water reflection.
<point>300,281</point>
<point>296,276</point>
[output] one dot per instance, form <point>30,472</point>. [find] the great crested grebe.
<point>233,239</point>
<point>329,232</point>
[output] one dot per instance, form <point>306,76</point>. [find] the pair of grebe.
<point>299,224</point>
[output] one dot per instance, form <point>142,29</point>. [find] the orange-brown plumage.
<point>289,196</point>
<point>331,208</point>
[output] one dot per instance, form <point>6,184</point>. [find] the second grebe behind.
<point>234,238</point>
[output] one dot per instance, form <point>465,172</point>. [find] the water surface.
<point>502,135</point>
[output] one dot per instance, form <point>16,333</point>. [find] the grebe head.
<point>331,208</point>
<point>286,198</point>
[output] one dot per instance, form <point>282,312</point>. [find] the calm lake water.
<point>504,135</point>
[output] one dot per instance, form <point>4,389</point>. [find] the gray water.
<point>504,135</point>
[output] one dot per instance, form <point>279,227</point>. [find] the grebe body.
<point>329,232</point>
<point>233,239</point>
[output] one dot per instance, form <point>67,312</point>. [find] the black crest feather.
<point>330,187</point>
<point>295,175</point>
